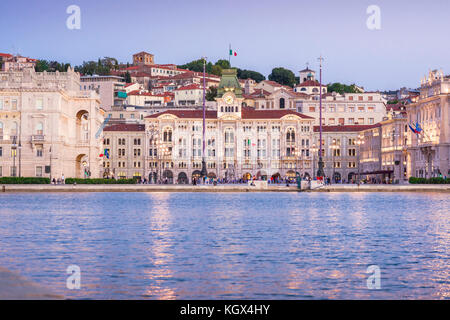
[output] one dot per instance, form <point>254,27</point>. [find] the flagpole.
<point>204,172</point>
<point>320,172</point>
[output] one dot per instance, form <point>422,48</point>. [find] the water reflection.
<point>230,246</point>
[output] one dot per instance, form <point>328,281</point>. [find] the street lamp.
<point>204,172</point>
<point>334,147</point>
<point>314,149</point>
<point>320,172</point>
<point>163,151</point>
<point>394,136</point>
<point>359,142</point>
<point>152,137</point>
<point>14,153</point>
<point>20,158</point>
<point>296,153</point>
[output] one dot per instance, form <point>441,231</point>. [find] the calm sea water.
<point>230,246</point>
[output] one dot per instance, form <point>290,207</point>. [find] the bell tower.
<point>229,95</point>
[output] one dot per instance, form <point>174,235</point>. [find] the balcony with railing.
<point>37,138</point>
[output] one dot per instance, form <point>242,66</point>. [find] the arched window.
<point>290,135</point>
<point>282,103</point>
<point>167,135</point>
<point>221,109</point>
<point>315,90</point>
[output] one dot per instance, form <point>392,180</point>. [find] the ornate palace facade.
<point>429,151</point>
<point>47,125</point>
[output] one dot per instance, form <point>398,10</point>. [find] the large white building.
<point>429,151</point>
<point>48,125</point>
<point>240,143</point>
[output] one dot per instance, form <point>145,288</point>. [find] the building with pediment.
<point>241,142</point>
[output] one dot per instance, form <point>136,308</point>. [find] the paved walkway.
<point>221,188</point>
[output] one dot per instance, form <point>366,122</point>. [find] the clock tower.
<point>229,95</point>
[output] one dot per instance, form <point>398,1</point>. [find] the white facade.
<point>46,121</point>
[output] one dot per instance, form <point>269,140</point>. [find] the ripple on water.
<point>230,246</point>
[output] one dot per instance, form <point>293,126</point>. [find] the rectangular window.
<point>371,121</point>
<point>1,104</point>
<point>1,151</point>
<point>13,171</point>
<point>14,105</point>
<point>312,109</point>
<point>1,172</point>
<point>39,171</point>
<point>39,152</point>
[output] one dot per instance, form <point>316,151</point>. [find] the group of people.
<point>59,180</point>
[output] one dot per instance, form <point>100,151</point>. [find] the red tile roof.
<point>251,113</point>
<point>189,114</point>
<point>193,86</point>
<point>309,83</point>
<point>247,114</point>
<point>345,128</point>
<point>125,127</point>
<point>258,93</point>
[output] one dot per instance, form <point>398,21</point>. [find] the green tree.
<point>342,88</point>
<point>224,64</point>
<point>282,76</point>
<point>211,93</point>
<point>41,65</point>
<point>127,77</point>
<point>216,70</point>
<point>245,74</point>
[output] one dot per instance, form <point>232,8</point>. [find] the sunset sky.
<point>265,34</point>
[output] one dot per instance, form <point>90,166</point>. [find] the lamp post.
<point>320,172</point>
<point>334,147</point>
<point>359,142</point>
<point>314,149</point>
<point>394,136</point>
<point>152,136</point>
<point>14,153</point>
<point>163,150</point>
<point>20,158</point>
<point>204,173</point>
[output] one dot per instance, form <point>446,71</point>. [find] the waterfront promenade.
<point>222,188</point>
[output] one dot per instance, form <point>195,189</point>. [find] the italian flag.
<point>233,53</point>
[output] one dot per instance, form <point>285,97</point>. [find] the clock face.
<point>228,99</point>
